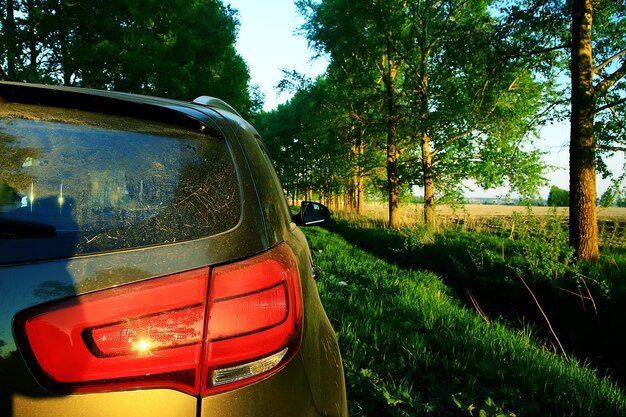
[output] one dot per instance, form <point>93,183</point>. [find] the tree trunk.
<point>33,51</point>
<point>393,177</point>
<point>583,221</point>
<point>427,157</point>
<point>393,180</point>
<point>10,36</point>
<point>359,187</point>
<point>427,154</point>
<point>360,192</point>
<point>429,183</point>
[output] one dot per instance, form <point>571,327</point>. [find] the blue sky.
<point>269,43</point>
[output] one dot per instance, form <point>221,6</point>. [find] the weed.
<point>544,247</point>
<point>487,409</point>
<point>416,237</point>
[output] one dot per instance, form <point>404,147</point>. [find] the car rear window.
<point>74,182</point>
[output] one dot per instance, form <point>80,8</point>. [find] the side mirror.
<point>311,213</point>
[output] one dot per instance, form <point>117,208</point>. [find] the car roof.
<point>197,115</point>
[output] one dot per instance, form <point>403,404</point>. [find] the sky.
<point>269,42</point>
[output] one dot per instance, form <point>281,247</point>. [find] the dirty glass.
<point>75,182</point>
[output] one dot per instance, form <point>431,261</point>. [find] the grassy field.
<point>442,324</point>
<point>411,213</point>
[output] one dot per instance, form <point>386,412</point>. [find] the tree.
<point>608,198</point>
<point>475,115</point>
<point>318,140</point>
<point>614,194</point>
<point>558,197</point>
<point>570,35</point>
<point>595,89</point>
<point>11,49</point>
<point>355,117</point>
<point>283,130</point>
<point>447,118</point>
<point>173,48</point>
<point>355,38</point>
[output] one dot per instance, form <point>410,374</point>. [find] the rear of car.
<point>149,265</point>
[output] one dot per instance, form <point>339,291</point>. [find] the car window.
<point>90,183</point>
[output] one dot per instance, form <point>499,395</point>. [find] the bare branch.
<point>611,105</point>
<point>608,61</point>
<point>453,139</point>
<point>611,148</point>
<point>608,82</point>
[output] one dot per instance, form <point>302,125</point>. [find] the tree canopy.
<point>425,86</point>
<point>558,197</point>
<point>422,94</point>
<point>449,91</point>
<point>171,48</point>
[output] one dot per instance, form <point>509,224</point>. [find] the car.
<point>150,264</point>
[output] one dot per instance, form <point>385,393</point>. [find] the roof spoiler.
<point>209,101</point>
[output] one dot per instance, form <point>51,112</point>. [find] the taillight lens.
<point>199,331</point>
<point>255,312</point>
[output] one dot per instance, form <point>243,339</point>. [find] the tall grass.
<point>411,348</point>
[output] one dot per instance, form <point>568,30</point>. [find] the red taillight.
<point>255,311</point>
<point>198,331</point>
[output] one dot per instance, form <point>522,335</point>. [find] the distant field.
<point>410,213</point>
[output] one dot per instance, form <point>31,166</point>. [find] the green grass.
<point>411,347</point>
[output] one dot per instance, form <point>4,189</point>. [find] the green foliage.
<point>614,194</point>
<point>541,32</point>
<point>444,118</point>
<point>609,39</point>
<point>417,237</point>
<point>173,48</point>
<point>533,248</point>
<point>542,247</point>
<point>410,347</point>
<point>608,198</point>
<point>558,197</point>
<point>488,409</point>
<point>319,141</point>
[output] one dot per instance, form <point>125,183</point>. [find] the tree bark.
<point>429,183</point>
<point>583,233</point>
<point>393,177</point>
<point>427,154</point>
<point>393,180</point>
<point>359,187</point>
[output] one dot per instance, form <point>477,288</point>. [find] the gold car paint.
<point>149,403</point>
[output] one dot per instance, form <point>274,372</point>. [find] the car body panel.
<point>323,365</point>
<point>311,384</point>
<point>152,403</point>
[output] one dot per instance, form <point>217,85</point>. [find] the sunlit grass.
<point>411,348</point>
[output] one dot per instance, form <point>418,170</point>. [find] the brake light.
<point>200,331</point>
<point>255,311</point>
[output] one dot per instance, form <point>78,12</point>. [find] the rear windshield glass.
<point>75,182</point>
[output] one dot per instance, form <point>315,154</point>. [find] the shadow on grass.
<point>410,350</point>
<point>468,263</point>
